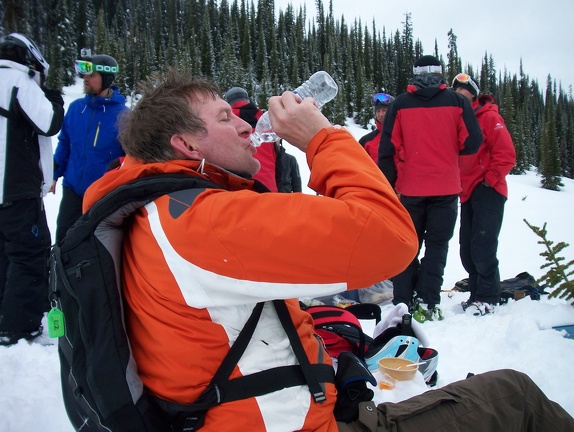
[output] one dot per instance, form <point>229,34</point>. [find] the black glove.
<point>54,96</point>
<point>351,383</point>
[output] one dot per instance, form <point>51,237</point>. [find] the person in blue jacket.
<point>88,141</point>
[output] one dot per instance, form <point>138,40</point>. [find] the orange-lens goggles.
<point>465,79</point>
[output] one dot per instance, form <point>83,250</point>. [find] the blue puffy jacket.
<point>88,141</point>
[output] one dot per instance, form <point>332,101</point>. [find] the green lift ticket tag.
<point>55,323</point>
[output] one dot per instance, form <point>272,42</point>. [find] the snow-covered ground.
<point>519,335</point>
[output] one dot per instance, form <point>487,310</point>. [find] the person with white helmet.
<point>88,142</point>
<point>29,115</point>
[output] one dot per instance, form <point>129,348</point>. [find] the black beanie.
<point>427,60</point>
<point>236,94</point>
<point>427,64</point>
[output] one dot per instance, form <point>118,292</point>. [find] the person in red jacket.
<point>370,142</point>
<point>483,196</point>
<point>267,154</point>
<point>425,131</point>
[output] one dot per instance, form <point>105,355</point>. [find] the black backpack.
<point>100,384</point>
<point>516,288</point>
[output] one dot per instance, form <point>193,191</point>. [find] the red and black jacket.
<point>426,129</point>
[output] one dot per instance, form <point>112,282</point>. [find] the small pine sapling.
<point>557,275</point>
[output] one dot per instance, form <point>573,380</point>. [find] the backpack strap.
<point>221,389</point>
<point>287,322</point>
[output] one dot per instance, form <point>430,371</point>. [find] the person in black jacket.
<point>29,114</point>
<point>287,172</point>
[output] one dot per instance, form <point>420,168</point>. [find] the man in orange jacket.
<point>194,268</point>
<point>191,278</point>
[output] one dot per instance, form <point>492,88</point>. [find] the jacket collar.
<point>14,65</point>
<point>426,86</point>
<point>133,169</point>
<point>100,102</point>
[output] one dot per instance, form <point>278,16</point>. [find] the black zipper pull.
<point>79,267</point>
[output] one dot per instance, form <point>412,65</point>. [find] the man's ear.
<point>184,148</point>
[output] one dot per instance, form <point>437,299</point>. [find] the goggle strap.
<point>427,69</point>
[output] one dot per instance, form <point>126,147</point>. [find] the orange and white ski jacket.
<point>192,276</point>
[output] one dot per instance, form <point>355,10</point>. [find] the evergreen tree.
<point>549,167</point>
<point>13,17</point>
<point>62,60</point>
<point>569,135</point>
<point>454,65</point>
<point>243,42</point>
<point>85,25</point>
<point>521,165</point>
<point>229,66</point>
<point>101,45</point>
<point>405,54</point>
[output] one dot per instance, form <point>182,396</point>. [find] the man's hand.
<point>296,120</point>
<point>53,187</point>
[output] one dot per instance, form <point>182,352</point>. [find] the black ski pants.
<point>434,218</point>
<point>480,222</point>
<point>24,246</point>
<point>69,212</point>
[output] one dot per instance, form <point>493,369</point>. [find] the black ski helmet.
<point>106,66</point>
<point>25,52</point>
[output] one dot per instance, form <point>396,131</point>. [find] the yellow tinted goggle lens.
<point>462,78</point>
<point>465,79</point>
<point>84,67</point>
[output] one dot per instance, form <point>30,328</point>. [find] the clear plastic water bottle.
<point>320,87</point>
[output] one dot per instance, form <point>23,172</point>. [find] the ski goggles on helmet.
<point>84,67</point>
<point>463,78</point>
<point>382,99</point>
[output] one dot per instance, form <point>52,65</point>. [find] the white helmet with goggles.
<point>24,51</point>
